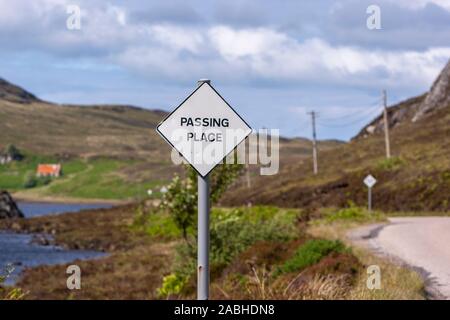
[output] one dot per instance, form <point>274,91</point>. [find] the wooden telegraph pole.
<point>314,141</point>
<point>386,126</point>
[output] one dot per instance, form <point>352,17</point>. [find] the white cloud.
<point>419,4</point>
<point>178,38</point>
<point>178,53</point>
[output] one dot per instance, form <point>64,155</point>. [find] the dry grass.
<point>260,285</point>
<point>397,282</point>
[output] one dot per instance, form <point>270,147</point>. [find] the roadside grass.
<point>397,282</point>
<point>350,215</point>
<point>418,214</point>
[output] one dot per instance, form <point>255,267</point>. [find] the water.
<point>35,209</point>
<point>18,251</point>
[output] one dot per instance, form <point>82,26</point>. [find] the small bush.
<point>390,164</point>
<point>233,231</point>
<point>30,181</point>
<point>172,284</point>
<point>310,253</point>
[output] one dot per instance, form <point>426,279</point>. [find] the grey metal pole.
<point>369,200</point>
<point>203,239</point>
<point>203,233</point>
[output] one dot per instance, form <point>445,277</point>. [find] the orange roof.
<point>49,168</point>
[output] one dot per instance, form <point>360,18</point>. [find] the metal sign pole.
<point>203,239</point>
<point>369,200</point>
<point>203,233</point>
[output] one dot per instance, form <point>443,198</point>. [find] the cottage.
<point>49,170</point>
<point>5,158</point>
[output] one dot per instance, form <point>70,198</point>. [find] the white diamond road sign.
<point>204,129</point>
<point>370,181</point>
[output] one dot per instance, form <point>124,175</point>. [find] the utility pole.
<point>314,142</point>
<point>203,232</point>
<point>386,126</point>
<point>249,185</point>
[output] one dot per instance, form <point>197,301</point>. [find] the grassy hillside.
<point>107,152</point>
<point>416,178</point>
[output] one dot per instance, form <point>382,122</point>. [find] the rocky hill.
<point>415,108</point>
<point>13,93</point>
<point>417,177</point>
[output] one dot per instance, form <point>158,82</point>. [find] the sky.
<point>273,61</point>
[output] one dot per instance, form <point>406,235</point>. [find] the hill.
<point>116,144</point>
<point>417,177</point>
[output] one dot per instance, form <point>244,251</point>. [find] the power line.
<point>365,118</point>
<point>366,110</point>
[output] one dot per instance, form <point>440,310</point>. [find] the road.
<point>421,242</point>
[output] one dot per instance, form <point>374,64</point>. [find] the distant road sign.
<point>204,129</point>
<point>370,181</point>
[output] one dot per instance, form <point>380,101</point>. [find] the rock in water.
<point>8,207</point>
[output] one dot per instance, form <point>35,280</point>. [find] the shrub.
<point>45,180</point>
<point>181,196</point>
<point>310,253</point>
<point>233,231</point>
<point>393,163</point>
<point>172,284</point>
<point>30,181</point>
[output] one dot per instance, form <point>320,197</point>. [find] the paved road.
<point>422,242</point>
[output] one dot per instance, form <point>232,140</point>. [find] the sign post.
<point>369,181</point>
<point>203,232</point>
<point>204,129</point>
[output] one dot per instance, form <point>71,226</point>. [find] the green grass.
<point>350,214</point>
<point>100,179</point>
<point>89,179</point>
<point>390,164</point>
<point>310,253</point>
<point>12,175</point>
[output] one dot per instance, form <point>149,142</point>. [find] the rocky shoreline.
<point>8,207</point>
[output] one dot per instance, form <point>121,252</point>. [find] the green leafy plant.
<point>172,284</point>
<point>234,230</point>
<point>310,253</point>
<point>31,181</point>
<point>180,200</point>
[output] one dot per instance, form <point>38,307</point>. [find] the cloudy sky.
<point>272,60</point>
